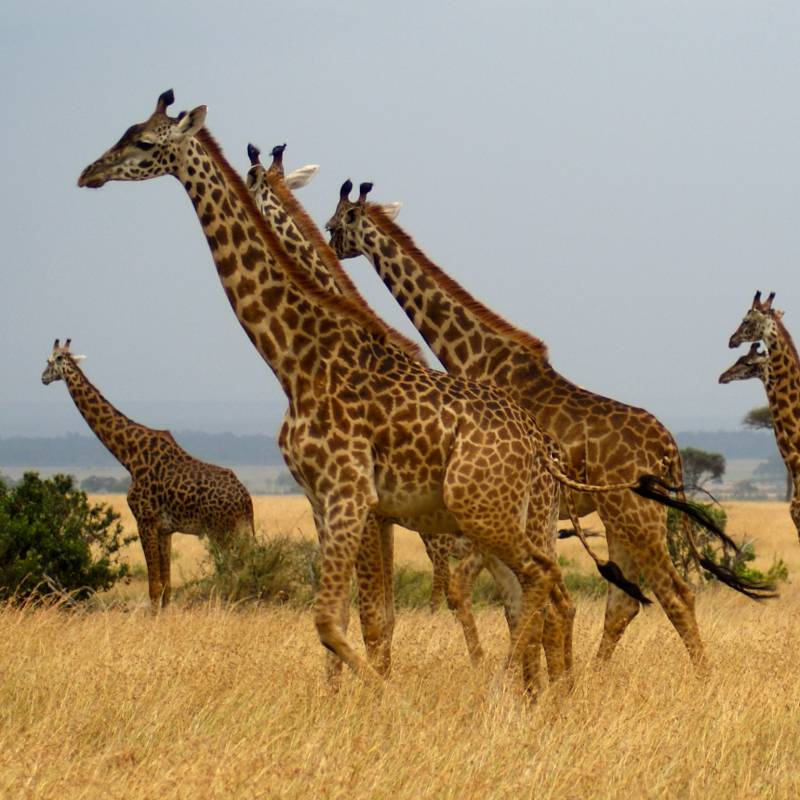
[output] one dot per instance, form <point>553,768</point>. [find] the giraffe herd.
<point>482,459</point>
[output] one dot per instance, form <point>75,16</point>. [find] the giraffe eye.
<point>143,145</point>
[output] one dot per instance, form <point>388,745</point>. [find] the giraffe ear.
<point>190,122</point>
<point>298,178</point>
<point>391,209</point>
<point>77,358</point>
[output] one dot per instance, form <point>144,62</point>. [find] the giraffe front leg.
<point>374,571</point>
<point>148,536</point>
<point>333,664</point>
<point>165,567</point>
<point>343,524</point>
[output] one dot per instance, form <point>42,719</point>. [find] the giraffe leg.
<point>344,523</point>
<point>148,536</point>
<point>438,547</point>
<point>165,566</point>
<point>333,664</point>
<point>459,597</point>
<point>537,575</point>
<point>641,532</point>
<point>376,592</point>
<point>621,608</point>
<point>794,510</point>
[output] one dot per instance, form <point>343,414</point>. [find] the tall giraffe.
<point>171,491</point>
<point>606,441</point>
<point>369,427</point>
<point>271,191</point>
<point>781,376</point>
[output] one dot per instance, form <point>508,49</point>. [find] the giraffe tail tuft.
<point>755,590</point>
<point>613,574</point>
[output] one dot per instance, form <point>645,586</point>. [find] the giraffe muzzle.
<point>89,179</point>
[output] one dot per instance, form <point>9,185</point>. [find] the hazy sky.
<point>617,178</point>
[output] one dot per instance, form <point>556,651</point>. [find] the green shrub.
<point>678,545</point>
<point>52,539</point>
<point>278,570</point>
<point>681,553</point>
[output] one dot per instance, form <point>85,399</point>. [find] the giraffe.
<point>170,491</point>
<point>780,374</point>
<point>752,364</point>
<point>301,237</point>
<point>605,441</point>
<point>270,189</point>
<point>370,430</point>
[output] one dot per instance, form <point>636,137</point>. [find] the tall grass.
<point>210,702</point>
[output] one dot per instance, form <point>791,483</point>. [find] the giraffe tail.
<point>754,589</point>
<point>609,569</point>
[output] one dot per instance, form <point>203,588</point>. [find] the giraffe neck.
<point>467,337</point>
<point>783,392</point>
<point>300,238</point>
<point>276,204</point>
<point>298,330</point>
<point>121,436</point>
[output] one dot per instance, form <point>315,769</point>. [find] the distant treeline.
<point>74,450</point>
<point>732,444</point>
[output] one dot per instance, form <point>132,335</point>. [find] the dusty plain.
<point>216,702</point>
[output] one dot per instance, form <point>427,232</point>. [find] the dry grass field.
<point>215,702</point>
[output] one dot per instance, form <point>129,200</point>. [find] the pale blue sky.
<point>616,178</point>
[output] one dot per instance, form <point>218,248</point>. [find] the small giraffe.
<point>270,190</point>
<point>781,376</point>
<point>752,364</point>
<point>170,490</point>
<point>370,430</point>
<point>605,441</point>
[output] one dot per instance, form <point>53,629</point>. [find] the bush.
<point>681,553</point>
<point>52,539</point>
<point>279,570</point>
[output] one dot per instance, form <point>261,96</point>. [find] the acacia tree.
<point>760,419</point>
<point>700,466</point>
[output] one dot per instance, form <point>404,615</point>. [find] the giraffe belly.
<point>404,495</point>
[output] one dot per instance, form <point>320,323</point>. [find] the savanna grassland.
<point>211,701</point>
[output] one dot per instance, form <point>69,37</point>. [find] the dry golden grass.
<point>216,703</point>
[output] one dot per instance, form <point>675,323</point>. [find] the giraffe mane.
<point>85,378</point>
<point>786,337</point>
<point>312,233</point>
<point>348,306</point>
<point>452,287</point>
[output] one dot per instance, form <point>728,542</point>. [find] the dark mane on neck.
<point>341,305</point>
<point>788,339</point>
<point>494,321</point>
<point>85,380</point>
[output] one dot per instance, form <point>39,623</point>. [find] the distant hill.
<point>77,450</point>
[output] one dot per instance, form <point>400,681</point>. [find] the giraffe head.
<point>258,175</point>
<point>346,226</point>
<point>753,364</point>
<point>760,323</point>
<point>148,149</point>
<point>59,362</point>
